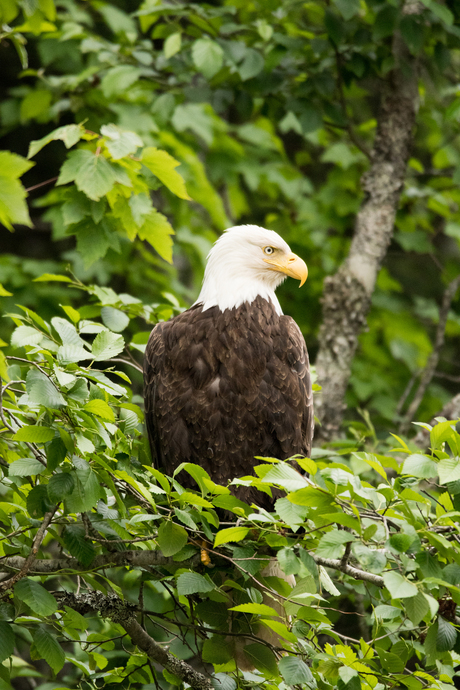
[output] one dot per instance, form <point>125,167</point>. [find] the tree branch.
<point>137,559</point>
<point>347,294</point>
<point>110,606</point>
<point>349,570</point>
<point>433,359</point>
<point>145,559</point>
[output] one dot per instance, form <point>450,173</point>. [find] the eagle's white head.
<point>245,262</point>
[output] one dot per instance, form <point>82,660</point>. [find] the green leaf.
<point>443,431</point>
<point>295,671</point>
<point>252,64</point>
<point>285,476</point>
<point>231,503</point>
<point>77,545</point>
<point>230,534</point>
<point>279,628</point>
<point>441,11</point>
<point>171,538</point>
<point>118,79</point>
<point>56,451</point>
<point>256,609</point>
<point>66,331</point>
<point>412,32</point>
<point>157,230</point>
<point>26,335</point>
<point>92,242</point>
<point>398,586</point>
<point>38,501</point>
<point>93,174</point>
<point>68,354</point>
<point>207,56</point>
<point>26,467</point>
<point>348,8</point>
<point>69,134</point>
<point>447,635</point>
<point>35,596</point>
<point>172,45</point>
<point>216,650</point>
<point>101,409</point>
<point>49,649</point>
<point>341,154</point>
<point>213,613</point>
<point>86,493</point>
<point>448,470</point>
<point>42,391</point>
<point>191,583</point>
<point>34,434</point>
<point>13,208</point>
<point>185,518</point>
<point>52,277</point>
<point>36,104</point>
<point>71,313</point>
<point>120,142</point>
<point>385,22</point>
<point>163,166</point>
<point>114,319</point>
<point>222,681</point>
<point>401,542</point>
<point>331,544</point>
<point>289,563</point>
<point>7,641</point>
<point>313,497</point>
<point>4,292</point>
<point>263,659</point>
<point>107,345</point>
<point>417,608</point>
<point>421,466</point>
<point>60,485</point>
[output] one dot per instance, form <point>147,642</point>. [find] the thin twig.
<point>406,393</point>
<point>7,584</point>
<point>126,361</point>
<point>41,184</point>
<point>356,141</point>
<point>433,359</point>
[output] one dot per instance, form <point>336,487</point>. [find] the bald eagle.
<point>229,379</point>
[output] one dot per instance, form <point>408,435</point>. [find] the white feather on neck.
<point>235,271</point>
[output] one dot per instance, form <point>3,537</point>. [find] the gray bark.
<point>150,559</point>
<point>136,559</point>
<point>111,606</point>
<point>347,294</point>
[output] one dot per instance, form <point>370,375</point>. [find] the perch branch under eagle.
<point>229,379</point>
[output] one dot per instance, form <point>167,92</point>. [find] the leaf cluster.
<point>365,535</point>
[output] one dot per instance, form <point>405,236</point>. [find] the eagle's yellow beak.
<point>290,264</point>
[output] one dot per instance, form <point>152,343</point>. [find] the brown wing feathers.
<point>222,387</point>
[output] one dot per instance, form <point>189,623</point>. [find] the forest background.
<point>132,135</point>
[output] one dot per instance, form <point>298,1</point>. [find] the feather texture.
<point>221,387</point>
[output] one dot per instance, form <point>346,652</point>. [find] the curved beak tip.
<point>292,265</point>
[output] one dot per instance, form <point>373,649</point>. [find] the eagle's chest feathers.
<point>220,352</point>
<point>227,386</point>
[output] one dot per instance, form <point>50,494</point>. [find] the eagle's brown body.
<point>224,386</point>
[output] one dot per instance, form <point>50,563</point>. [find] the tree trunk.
<point>347,294</point>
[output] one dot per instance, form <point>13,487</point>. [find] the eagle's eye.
<point>269,250</point>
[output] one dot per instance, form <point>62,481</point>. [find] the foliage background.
<point>270,108</point>
<point>263,105</point>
